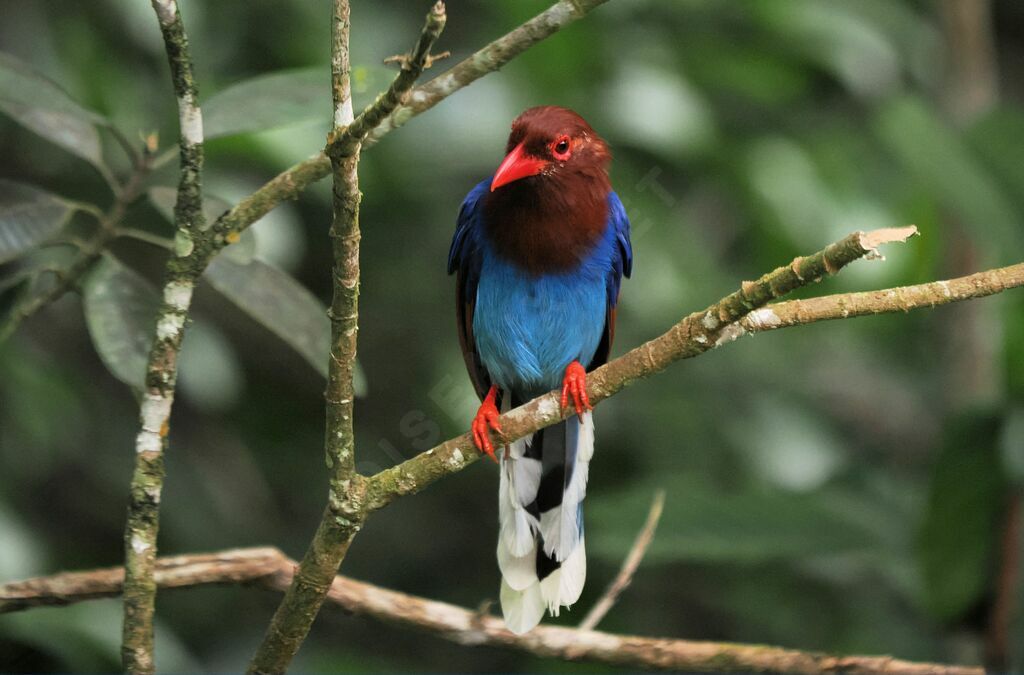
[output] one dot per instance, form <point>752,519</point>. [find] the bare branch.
<point>629,565</point>
<point>887,301</point>
<point>695,334</point>
<point>161,370</point>
<point>269,568</point>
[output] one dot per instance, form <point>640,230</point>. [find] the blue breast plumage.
<point>529,328</point>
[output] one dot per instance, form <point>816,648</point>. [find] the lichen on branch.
<point>143,518</point>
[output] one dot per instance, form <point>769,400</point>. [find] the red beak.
<point>515,166</point>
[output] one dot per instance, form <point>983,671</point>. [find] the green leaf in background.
<point>704,524</point>
<point>945,165</point>
<point>40,105</point>
<point>163,198</point>
<point>120,311</point>
<point>1012,446</point>
<point>267,102</point>
<point>28,217</point>
<point>282,305</point>
<point>988,136</point>
<point>956,543</point>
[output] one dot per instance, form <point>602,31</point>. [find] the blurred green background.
<point>841,487</point>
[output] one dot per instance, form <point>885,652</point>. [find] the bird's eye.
<point>560,148</point>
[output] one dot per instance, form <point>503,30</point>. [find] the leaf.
<point>956,543</point>
<point>946,166</point>
<point>278,302</point>
<point>163,198</point>
<point>702,523</point>
<point>120,311</point>
<point>266,102</point>
<point>28,217</point>
<point>22,84</point>
<point>40,105</point>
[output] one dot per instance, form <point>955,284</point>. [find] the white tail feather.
<point>522,609</point>
<point>518,571</point>
<point>560,527</point>
<point>564,586</point>
<point>524,474</point>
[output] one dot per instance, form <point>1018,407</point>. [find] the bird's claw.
<point>486,419</point>
<point>575,384</point>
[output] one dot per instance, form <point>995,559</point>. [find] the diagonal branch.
<point>486,60</point>
<point>629,565</point>
<point>271,569</point>
<point>142,524</point>
<point>290,183</point>
<point>344,141</point>
<point>694,335</point>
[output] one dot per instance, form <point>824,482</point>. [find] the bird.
<point>539,252</point>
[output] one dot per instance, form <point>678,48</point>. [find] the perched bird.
<point>539,252</point>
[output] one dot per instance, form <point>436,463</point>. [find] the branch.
<point>344,141</point>
<point>629,565</point>
<point>269,568</point>
<point>183,268</point>
<point>344,513</point>
<point>694,335</point>
<point>89,251</point>
<point>486,60</point>
<point>290,183</point>
<point>887,301</point>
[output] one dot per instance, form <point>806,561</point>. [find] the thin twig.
<point>269,568</point>
<point>998,641</point>
<point>344,140</point>
<point>147,237</point>
<point>182,270</point>
<point>89,251</point>
<point>629,565</point>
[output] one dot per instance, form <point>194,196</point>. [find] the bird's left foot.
<point>575,384</point>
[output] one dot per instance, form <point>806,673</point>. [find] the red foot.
<point>485,420</point>
<point>575,384</point>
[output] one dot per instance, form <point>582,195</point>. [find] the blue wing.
<point>464,260</point>
<point>621,265</point>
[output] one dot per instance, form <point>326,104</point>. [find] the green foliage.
<point>267,102</point>
<point>958,539</point>
<point>712,525</point>
<point>40,105</point>
<point>28,217</point>
<point>279,303</point>
<point>120,310</point>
